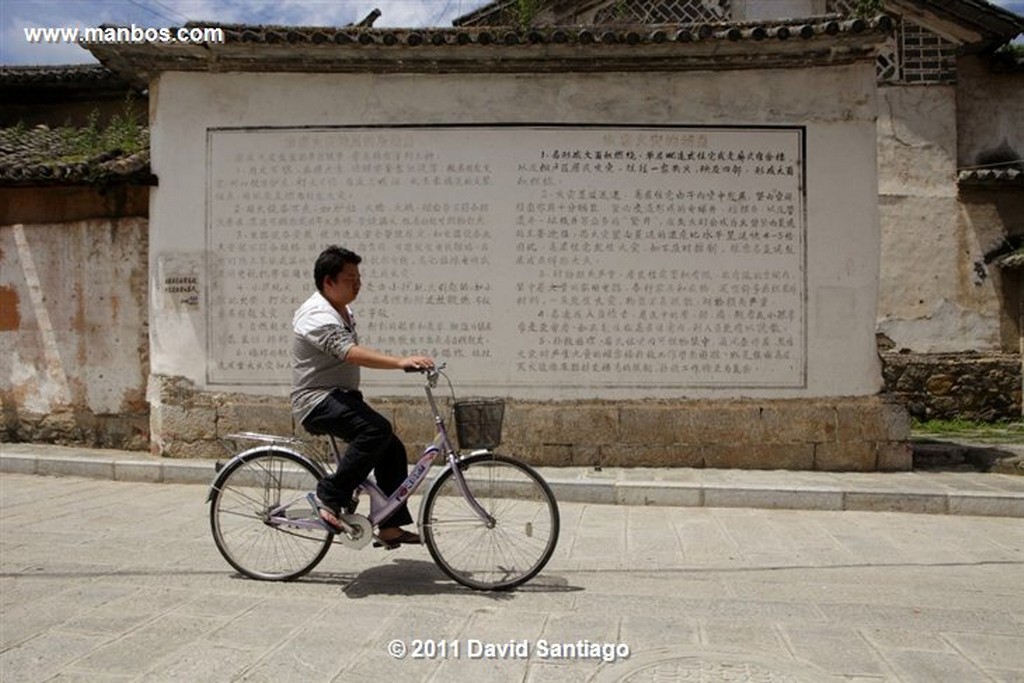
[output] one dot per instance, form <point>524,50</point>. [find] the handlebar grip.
<point>437,367</point>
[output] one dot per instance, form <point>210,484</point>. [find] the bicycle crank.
<point>360,535</point>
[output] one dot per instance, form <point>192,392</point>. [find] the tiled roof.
<point>27,85</point>
<point>991,177</point>
<point>56,76</point>
<point>769,44</point>
<point>559,35</point>
<point>46,156</point>
<point>1000,24</point>
<point>1012,261</point>
<point>997,23</point>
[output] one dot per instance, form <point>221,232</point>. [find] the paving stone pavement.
<point>104,580</point>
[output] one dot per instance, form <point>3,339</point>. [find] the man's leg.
<point>368,433</point>
<point>390,471</point>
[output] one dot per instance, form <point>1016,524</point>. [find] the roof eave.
<point>974,23</point>
<point>548,49</point>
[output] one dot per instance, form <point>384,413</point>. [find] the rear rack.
<point>260,436</point>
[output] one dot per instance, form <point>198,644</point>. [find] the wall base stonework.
<point>187,423</point>
<point>945,386</point>
<point>124,431</point>
<point>837,434</point>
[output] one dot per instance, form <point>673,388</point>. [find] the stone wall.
<point>77,427</point>
<point>969,386</point>
<point>838,434</point>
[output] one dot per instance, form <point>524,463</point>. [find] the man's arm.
<point>371,358</point>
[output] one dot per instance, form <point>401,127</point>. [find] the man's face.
<point>344,289</point>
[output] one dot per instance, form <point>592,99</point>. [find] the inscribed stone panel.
<point>531,256</point>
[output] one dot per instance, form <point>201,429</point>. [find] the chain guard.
<point>361,535</point>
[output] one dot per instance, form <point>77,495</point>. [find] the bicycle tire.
<point>499,557</point>
<point>248,490</point>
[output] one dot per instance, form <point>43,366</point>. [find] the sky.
<point>17,15</point>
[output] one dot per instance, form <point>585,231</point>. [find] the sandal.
<point>328,515</point>
<point>404,538</point>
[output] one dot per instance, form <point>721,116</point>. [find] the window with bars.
<point>926,57</point>
<point>664,12</point>
<point>913,55</point>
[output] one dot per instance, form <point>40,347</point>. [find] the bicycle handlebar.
<point>431,373</point>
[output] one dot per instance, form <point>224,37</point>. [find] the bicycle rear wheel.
<point>491,555</point>
<point>256,508</point>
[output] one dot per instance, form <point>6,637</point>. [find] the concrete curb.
<point>951,493</point>
<point>796,498</point>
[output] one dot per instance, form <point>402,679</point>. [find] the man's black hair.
<point>331,262</point>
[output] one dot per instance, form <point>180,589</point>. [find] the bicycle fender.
<point>223,469</point>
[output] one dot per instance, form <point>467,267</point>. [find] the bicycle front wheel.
<point>498,553</point>
<point>261,521</point>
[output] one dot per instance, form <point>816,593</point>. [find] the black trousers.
<point>372,446</point>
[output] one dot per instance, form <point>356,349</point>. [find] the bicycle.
<point>489,521</point>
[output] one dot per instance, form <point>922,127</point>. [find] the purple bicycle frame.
<point>383,506</point>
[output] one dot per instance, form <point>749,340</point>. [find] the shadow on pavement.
<point>418,577</point>
<point>936,454</point>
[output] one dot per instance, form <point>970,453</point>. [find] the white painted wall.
<point>837,106</point>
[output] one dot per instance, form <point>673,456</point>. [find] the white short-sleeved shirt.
<point>321,338</point>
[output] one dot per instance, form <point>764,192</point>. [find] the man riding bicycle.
<point>326,361</point>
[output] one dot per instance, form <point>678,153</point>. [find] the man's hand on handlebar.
<point>417,363</point>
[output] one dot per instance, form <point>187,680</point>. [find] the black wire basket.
<point>478,422</point>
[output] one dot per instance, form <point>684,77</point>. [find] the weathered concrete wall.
<point>996,217</point>
<point>74,348</point>
<point>842,434</point>
<point>990,109</point>
<point>952,313</point>
<point>939,293</point>
<point>927,300</point>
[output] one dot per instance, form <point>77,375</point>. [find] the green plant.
<point>17,133</point>
<point>525,11</point>
<point>866,9</point>
<point>124,134</point>
<point>970,430</point>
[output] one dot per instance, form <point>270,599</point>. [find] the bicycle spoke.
<point>253,542</point>
<point>515,547</point>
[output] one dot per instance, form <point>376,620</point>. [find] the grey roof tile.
<point>991,177</point>
<point>49,156</point>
